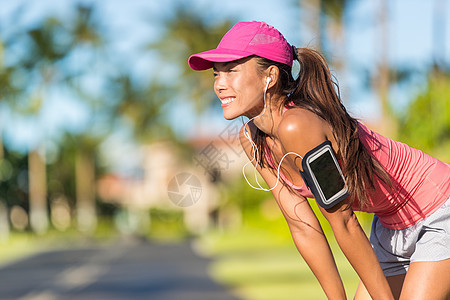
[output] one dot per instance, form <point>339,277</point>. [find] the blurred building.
<point>170,180</point>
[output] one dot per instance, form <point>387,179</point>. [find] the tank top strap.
<point>285,108</point>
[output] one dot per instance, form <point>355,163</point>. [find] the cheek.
<point>253,89</point>
<point>253,83</point>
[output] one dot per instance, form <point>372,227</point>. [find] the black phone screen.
<point>327,175</point>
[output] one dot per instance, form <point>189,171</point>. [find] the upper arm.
<point>300,132</point>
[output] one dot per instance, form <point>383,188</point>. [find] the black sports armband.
<point>323,175</point>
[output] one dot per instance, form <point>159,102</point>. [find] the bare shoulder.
<point>298,119</point>
<point>301,129</point>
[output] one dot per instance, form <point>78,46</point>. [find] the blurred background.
<point>105,132</point>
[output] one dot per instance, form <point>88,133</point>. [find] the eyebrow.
<point>227,65</point>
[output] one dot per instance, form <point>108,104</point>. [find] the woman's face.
<point>240,88</point>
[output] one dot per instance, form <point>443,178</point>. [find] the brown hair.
<point>315,90</point>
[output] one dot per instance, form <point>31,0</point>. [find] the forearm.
<point>356,247</point>
<point>314,248</point>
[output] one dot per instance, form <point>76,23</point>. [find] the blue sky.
<point>410,43</point>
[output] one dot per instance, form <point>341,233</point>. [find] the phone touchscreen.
<point>327,175</point>
<point>323,175</point>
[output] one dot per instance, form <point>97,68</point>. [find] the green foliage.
<point>7,89</point>
<point>334,9</point>
<point>60,172</point>
<point>85,28</point>
<point>49,46</point>
<point>14,179</point>
<point>188,33</point>
<point>167,225</point>
<point>426,122</point>
<point>240,193</point>
<point>62,55</point>
<point>143,107</point>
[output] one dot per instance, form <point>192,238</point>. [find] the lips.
<point>227,101</point>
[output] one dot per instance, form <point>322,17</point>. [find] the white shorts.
<point>427,240</point>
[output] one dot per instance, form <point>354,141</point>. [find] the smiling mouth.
<point>228,100</point>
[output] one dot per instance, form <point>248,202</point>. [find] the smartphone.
<point>323,175</point>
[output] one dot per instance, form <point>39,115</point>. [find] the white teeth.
<point>228,100</point>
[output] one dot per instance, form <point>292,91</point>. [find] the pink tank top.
<point>421,183</point>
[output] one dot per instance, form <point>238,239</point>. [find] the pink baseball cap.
<point>243,40</point>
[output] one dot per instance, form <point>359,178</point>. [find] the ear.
<point>273,72</point>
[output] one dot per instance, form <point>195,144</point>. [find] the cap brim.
<point>205,60</point>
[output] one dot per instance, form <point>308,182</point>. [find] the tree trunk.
<point>382,80</point>
<point>311,28</point>
<point>4,224</point>
<point>85,191</point>
<point>439,33</point>
<point>2,150</point>
<point>38,191</point>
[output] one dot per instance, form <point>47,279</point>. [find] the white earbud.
<point>268,80</point>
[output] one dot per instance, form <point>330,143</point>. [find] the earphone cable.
<point>255,152</point>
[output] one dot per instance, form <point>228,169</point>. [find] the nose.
<point>219,83</point>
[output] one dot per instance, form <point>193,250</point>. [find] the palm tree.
<point>49,46</point>
<point>187,33</point>
<point>382,78</point>
<point>48,53</point>
<point>38,191</point>
<point>5,88</point>
<point>332,43</point>
<point>5,84</point>
<point>42,63</point>
<point>85,183</point>
<point>84,31</point>
<point>335,11</point>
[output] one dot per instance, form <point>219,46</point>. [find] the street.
<point>121,270</point>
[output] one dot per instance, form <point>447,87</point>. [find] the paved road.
<point>139,270</point>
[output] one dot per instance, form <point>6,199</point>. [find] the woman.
<point>408,255</point>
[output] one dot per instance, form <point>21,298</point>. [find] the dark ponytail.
<point>315,90</point>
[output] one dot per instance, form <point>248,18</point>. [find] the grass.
<point>21,244</point>
<point>260,262</point>
<point>17,246</point>
<point>165,227</point>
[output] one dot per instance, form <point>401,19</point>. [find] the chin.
<point>230,116</point>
